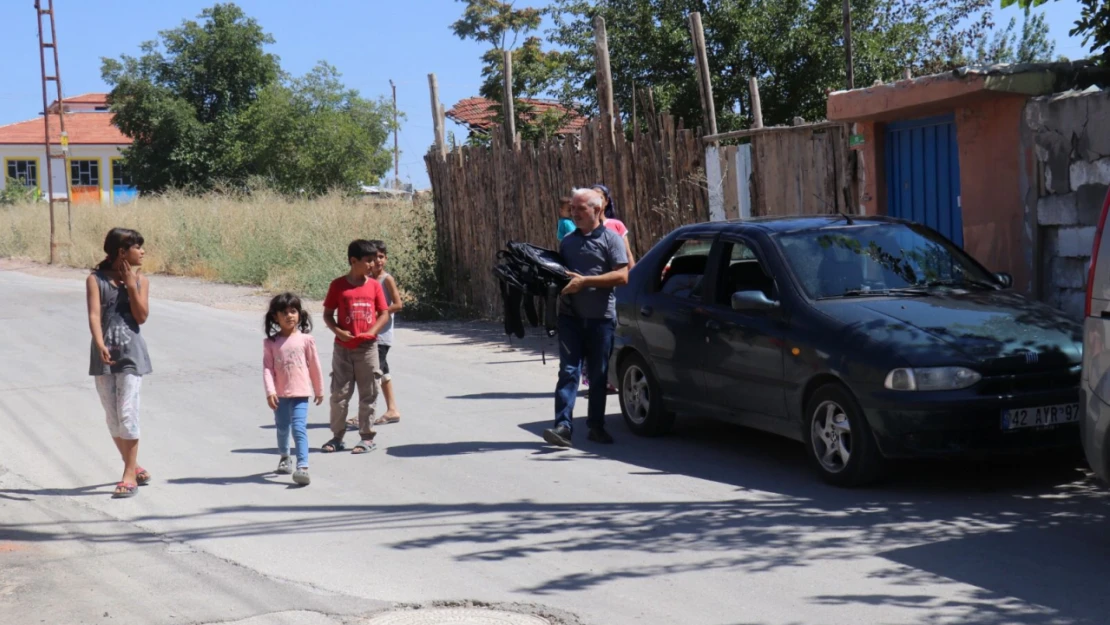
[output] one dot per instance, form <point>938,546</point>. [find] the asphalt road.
<point>714,525</point>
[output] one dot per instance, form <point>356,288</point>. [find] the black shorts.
<point>383,363</point>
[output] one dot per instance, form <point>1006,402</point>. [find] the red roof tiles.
<point>82,128</point>
<point>88,98</point>
<point>478,113</point>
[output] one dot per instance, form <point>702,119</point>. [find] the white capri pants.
<point>119,392</point>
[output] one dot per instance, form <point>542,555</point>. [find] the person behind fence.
<point>597,263</point>
<point>385,338</point>
<point>566,224</point>
<point>291,375</point>
<point>118,300</point>
<point>610,221</point>
<point>362,314</point>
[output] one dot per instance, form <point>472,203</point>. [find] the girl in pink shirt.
<point>610,221</point>
<point>291,373</point>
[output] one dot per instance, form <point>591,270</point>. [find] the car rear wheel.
<point>641,399</point>
<point>839,442</point>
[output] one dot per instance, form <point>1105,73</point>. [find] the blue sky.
<point>369,41</point>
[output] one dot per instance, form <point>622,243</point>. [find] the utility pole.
<point>63,136</point>
<point>396,151</point>
<point>851,72</point>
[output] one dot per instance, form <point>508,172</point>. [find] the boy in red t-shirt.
<point>363,313</point>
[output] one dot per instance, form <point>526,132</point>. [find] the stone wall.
<point>1069,134</point>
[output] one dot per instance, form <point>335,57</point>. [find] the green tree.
<point>206,104</point>
<point>313,134</point>
<point>1033,45</point>
<point>182,102</point>
<point>794,47</point>
<point>1093,24</point>
<point>534,69</point>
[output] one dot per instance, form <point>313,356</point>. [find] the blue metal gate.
<point>923,174</point>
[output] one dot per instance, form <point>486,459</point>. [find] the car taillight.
<point>1094,254</point>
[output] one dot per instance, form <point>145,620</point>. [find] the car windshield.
<point>878,259</point>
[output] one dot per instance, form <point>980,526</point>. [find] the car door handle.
<point>1105,314</point>
<point>645,311</point>
<point>712,325</point>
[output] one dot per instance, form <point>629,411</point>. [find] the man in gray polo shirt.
<point>598,262</point>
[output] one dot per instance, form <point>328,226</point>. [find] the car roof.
<point>778,225</point>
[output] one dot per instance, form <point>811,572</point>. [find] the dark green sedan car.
<point>863,338</point>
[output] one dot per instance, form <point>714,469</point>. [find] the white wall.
<point>728,171</point>
<point>61,168</point>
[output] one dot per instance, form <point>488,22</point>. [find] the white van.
<point>1094,423</point>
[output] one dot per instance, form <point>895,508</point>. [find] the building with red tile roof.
<point>92,170</point>
<point>478,114</point>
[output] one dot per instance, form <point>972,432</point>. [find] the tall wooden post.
<point>635,122</point>
<point>850,69</point>
<point>437,117</point>
<point>757,108</point>
<point>507,98</point>
<point>604,75</point>
<point>705,85</point>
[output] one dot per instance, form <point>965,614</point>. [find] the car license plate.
<point>1041,416</point>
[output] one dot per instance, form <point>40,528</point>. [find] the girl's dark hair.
<point>280,303</point>
<point>610,208</point>
<point>118,239</point>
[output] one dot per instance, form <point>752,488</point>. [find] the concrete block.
<point>1055,153</point>
<point>1068,115</point>
<point>1050,245</point>
<point>1057,210</point>
<point>1068,273</point>
<point>1090,172</point>
<point>1036,114</point>
<point>1089,199</point>
<point>1096,140</point>
<point>1072,302</point>
<point>1075,242</point>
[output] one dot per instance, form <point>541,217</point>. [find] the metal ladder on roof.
<point>63,152</point>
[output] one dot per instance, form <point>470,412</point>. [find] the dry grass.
<point>261,239</point>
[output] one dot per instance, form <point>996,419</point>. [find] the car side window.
<point>682,275</point>
<point>741,270</point>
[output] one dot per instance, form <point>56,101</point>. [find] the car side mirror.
<point>752,300</point>
<point>1005,279</point>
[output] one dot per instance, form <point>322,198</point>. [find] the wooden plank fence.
<point>485,197</point>
<point>801,171</point>
<point>783,171</point>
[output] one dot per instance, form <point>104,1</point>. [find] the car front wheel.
<point>839,441</point>
<point>641,399</point>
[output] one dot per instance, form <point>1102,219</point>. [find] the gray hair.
<point>594,198</point>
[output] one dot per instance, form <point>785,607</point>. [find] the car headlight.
<point>931,379</point>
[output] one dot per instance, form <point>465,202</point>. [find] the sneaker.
<point>560,436</point>
<point>285,466</point>
<point>301,476</point>
<point>599,435</point>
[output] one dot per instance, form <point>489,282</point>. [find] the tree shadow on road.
<point>992,544</point>
<point>256,478</point>
<point>80,491</point>
<point>509,395</point>
<point>535,346</point>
